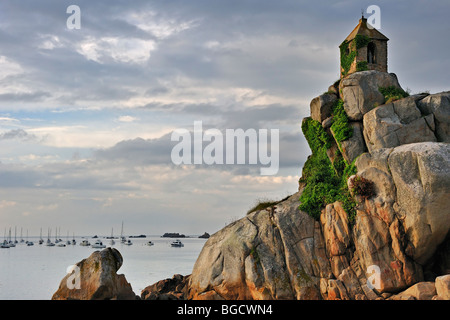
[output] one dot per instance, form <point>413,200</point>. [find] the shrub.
<point>392,93</point>
<point>315,134</point>
<point>363,187</point>
<point>361,66</point>
<point>341,128</point>
<point>262,204</point>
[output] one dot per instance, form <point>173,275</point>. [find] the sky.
<point>86,115</point>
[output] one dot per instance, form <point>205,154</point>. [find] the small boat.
<point>41,241</point>
<point>98,244</point>
<point>128,242</point>
<point>10,242</point>
<point>122,238</point>
<point>30,243</point>
<point>112,242</point>
<point>49,243</point>
<point>85,243</point>
<point>4,245</point>
<point>149,243</point>
<point>177,243</point>
<point>61,244</point>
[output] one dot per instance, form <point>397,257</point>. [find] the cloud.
<point>17,134</point>
<point>127,119</point>
<point>5,203</point>
<point>121,50</point>
<point>9,68</point>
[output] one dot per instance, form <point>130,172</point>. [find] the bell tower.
<point>365,48</point>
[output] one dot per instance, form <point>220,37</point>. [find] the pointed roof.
<point>363,29</point>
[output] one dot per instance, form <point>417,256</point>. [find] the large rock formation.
<point>96,278</point>
<point>397,240</point>
<point>396,245</point>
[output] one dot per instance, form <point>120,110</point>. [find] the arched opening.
<point>371,53</point>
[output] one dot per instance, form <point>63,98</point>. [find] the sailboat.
<point>68,241</point>
<point>41,241</point>
<point>112,242</point>
<point>21,237</point>
<point>122,238</point>
<point>5,243</point>
<point>29,243</point>
<point>49,242</point>
<point>11,243</point>
<point>73,240</point>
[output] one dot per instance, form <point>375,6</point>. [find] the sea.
<point>35,272</point>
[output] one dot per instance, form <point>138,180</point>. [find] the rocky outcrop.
<point>398,123</point>
<point>321,106</point>
<point>276,253</point>
<point>396,246</point>
<point>397,240</point>
<point>438,105</point>
<point>168,289</point>
<point>96,278</point>
<point>360,91</point>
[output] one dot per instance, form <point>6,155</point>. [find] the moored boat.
<point>177,243</point>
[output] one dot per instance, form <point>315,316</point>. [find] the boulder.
<point>360,91</point>
<point>168,289</point>
<point>275,253</point>
<point>442,284</point>
<point>397,123</point>
<point>421,175</point>
<point>439,106</point>
<point>355,145</point>
<point>96,278</point>
<point>419,291</point>
<point>322,106</point>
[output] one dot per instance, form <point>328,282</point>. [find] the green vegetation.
<point>340,127</point>
<point>325,182</point>
<point>361,41</point>
<point>392,93</point>
<point>361,66</point>
<point>347,57</point>
<point>262,204</point>
<point>349,51</point>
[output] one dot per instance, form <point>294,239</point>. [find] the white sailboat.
<point>29,243</point>
<point>10,242</point>
<point>4,244</point>
<point>122,238</point>
<point>49,242</point>
<point>112,242</point>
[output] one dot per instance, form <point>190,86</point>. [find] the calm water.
<point>34,272</point>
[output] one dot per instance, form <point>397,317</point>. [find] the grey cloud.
<point>19,134</point>
<point>25,97</point>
